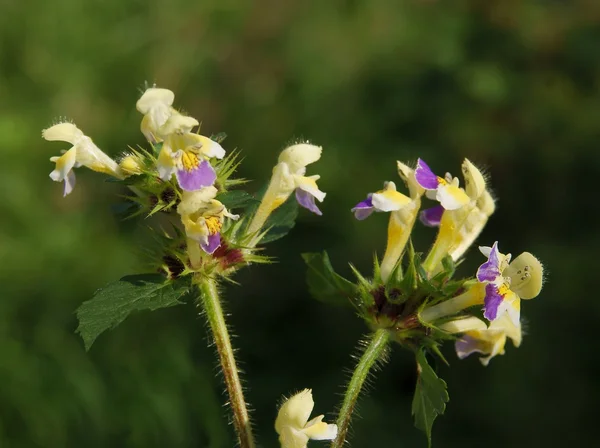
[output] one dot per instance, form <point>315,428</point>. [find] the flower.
<point>293,426</point>
<point>506,282</point>
<point>443,189</point>
<point>186,154</point>
<point>402,217</point>
<point>488,341</point>
<point>203,216</point>
<point>386,200</point>
<point>459,227</point>
<point>289,177</point>
<point>155,104</point>
<point>83,152</point>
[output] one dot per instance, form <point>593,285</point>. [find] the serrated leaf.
<point>324,283</point>
<point>236,199</point>
<point>281,221</point>
<point>430,396</point>
<point>112,304</point>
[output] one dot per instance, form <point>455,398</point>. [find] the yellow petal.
<point>299,156</point>
<point>474,181</point>
<point>526,274</point>
<point>64,132</point>
<point>64,164</point>
<point>154,97</point>
<point>295,411</point>
<point>464,324</point>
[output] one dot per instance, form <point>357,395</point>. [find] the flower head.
<point>293,426</point>
<point>203,217</point>
<point>187,154</point>
<point>489,341</point>
<point>83,152</point>
<point>446,189</point>
<point>506,282</point>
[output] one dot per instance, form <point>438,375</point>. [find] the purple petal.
<point>307,200</point>
<point>490,270</point>
<point>425,176</point>
<point>432,217</point>
<point>363,209</point>
<point>466,346</point>
<point>214,241</point>
<point>202,176</point>
<point>493,300</point>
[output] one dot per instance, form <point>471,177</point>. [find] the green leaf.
<point>281,221</point>
<point>430,397</point>
<point>112,304</point>
<point>324,283</point>
<point>236,199</point>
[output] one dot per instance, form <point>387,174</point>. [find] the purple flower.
<point>363,209</point>
<point>491,269</point>
<point>307,200</point>
<point>195,174</point>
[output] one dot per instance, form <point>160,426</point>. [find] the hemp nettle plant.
<point>200,243</point>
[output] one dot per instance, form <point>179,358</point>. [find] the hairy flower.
<point>488,341</point>
<point>187,154</point>
<point>293,426</point>
<point>506,282</point>
<point>83,153</point>
<point>203,217</point>
<point>446,189</point>
<point>289,177</point>
<point>403,213</point>
<point>156,105</point>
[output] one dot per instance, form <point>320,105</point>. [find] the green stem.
<point>375,351</point>
<point>216,320</point>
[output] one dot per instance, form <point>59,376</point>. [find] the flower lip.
<point>364,208</point>
<point>196,176</point>
<point>491,269</point>
<point>425,177</point>
<point>432,217</point>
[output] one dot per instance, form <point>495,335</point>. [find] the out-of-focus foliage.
<point>509,84</point>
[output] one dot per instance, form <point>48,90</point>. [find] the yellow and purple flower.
<point>488,341</point>
<point>506,282</point>
<point>203,217</point>
<point>386,200</point>
<point>293,426</point>
<point>445,190</point>
<point>187,154</point>
<point>289,177</point>
<point>83,153</point>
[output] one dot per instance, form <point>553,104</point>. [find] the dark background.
<point>512,85</point>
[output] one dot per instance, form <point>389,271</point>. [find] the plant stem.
<point>375,351</point>
<point>214,313</point>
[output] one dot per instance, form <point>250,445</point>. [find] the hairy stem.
<point>375,350</point>
<point>209,296</point>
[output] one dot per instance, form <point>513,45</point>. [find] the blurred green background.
<point>512,85</point>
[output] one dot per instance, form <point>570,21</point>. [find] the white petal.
<point>178,123</point>
<point>210,148</point>
<point>154,97</point>
<point>69,183</point>
<point>64,165</point>
<point>64,132</point>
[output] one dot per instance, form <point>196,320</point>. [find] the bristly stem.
<point>209,295</point>
<point>375,351</point>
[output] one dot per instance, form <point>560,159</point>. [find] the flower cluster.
<point>433,301</point>
<point>187,175</point>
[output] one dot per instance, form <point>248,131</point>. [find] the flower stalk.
<point>375,351</point>
<point>211,302</point>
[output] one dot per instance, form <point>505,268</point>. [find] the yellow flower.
<point>203,217</point>
<point>289,176</point>
<point>293,426</point>
<point>155,104</point>
<point>83,152</point>
<point>478,338</point>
